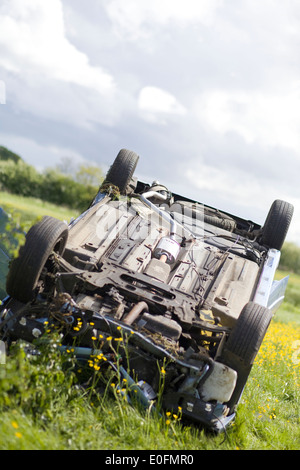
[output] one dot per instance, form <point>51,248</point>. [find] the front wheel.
<point>47,236</point>
<point>243,344</point>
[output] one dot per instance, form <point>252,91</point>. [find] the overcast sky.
<point>207,92</point>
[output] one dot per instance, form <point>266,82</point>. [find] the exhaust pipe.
<point>135,312</point>
<point>144,197</point>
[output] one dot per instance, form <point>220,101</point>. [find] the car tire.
<point>243,344</point>
<point>277,224</point>
<point>121,172</point>
<point>42,239</point>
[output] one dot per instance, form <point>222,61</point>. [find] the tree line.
<point>64,184</point>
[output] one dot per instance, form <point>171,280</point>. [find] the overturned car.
<point>191,289</point>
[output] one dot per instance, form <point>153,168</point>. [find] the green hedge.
<point>51,185</point>
<point>290,257</point>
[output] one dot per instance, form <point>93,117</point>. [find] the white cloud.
<point>33,40</point>
<point>155,103</point>
<point>39,155</point>
<point>223,90</point>
<point>241,193</point>
<point>230,186</point>
<point>133,18</point>
<point>270,117</point>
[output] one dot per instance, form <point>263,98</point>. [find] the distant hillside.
<point>6,154</point>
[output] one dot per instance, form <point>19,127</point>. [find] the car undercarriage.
<point>174,286</point>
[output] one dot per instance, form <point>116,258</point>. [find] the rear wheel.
<point>277,224</point>
<point>243,344</point>
<point>121,172</point>
<point>47,236</point>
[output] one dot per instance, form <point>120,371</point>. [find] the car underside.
<point>188,289</point>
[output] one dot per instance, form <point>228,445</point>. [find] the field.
<point>28,208</point>
<point>42,407</point>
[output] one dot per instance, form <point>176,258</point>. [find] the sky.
<point>207,92</point>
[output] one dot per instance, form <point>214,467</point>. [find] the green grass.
<point>25,212</point>
<point>289,312</point>
<point>29,208</point>
<point>42,407</point>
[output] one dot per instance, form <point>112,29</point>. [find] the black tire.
<point>243,344</point>
<point>277,224</point>
<point>121,172</point>
<point>42,239</point>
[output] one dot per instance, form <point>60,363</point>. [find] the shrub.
<point>51,185</point>
<point>290,258</point>
<point>6,154</point>
<point>20,178</point>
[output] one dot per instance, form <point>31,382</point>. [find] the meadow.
<point>27,209</point>
<point>42,407</point>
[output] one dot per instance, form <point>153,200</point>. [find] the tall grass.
<point>43,407</point>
